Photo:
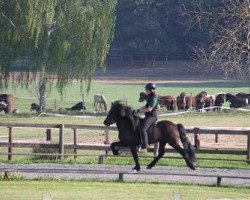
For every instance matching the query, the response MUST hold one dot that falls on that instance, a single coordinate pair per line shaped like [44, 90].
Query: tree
[66, 38]
[149, 27]
[228, 23]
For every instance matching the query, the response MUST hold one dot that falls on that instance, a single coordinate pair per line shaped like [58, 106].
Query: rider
[150, 110]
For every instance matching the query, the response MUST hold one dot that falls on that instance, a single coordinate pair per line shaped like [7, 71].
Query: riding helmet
[150, 86]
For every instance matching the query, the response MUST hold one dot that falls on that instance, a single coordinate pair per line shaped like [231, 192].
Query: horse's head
[118, 112]
[201, 97]
[114, 113]
[229, 96]
[143, 97]
[222, 98]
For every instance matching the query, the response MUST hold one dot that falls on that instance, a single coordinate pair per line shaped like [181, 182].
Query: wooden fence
[105, 147]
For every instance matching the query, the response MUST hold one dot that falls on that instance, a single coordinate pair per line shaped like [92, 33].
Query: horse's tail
[188, 147]
[175, 106]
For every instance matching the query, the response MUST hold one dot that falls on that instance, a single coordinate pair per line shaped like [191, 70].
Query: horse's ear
[112, 103]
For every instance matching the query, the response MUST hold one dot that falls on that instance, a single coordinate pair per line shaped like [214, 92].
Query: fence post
[61, 140]
[48, 135]
[218, 181]
[75, 143]
[106, 140]
[216, 137]
[248, 147]
[10, 143]
[196, 139]
[120, 177]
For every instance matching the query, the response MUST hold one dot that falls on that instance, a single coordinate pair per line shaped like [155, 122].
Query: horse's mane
[183, 94]
[134, 120]
[201, 94]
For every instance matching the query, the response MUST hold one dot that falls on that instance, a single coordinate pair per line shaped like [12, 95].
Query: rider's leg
[145, 125]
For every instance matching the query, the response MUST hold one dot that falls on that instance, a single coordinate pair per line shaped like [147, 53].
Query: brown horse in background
[185, 102]
[165, 101]
[200, 100]
[163, 132]
[209, 101]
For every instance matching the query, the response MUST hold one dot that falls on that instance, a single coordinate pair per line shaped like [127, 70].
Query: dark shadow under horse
[163, 132]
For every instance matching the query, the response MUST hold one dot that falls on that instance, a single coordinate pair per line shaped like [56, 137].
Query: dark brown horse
[165, 101]
[163, 132]
[219, 101]
[200, 100]
[185, 102]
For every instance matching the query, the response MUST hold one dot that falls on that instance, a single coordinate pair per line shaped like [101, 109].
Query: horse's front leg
[135, 156]
[115, 147]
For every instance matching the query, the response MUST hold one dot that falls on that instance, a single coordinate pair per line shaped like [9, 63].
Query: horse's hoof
[134, 171]
[192, 167]
[149, 167]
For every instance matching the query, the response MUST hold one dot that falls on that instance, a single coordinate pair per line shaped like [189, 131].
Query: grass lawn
[117, 91]
[60, 190]
[128, 92]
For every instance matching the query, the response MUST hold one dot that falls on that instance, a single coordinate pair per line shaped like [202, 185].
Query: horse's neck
[124, 127]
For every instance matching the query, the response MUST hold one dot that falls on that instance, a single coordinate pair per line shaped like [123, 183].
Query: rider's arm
[152, 104]
[145, 110]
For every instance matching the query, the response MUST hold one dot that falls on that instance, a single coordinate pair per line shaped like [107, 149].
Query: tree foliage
[146, 27]
[66, 38]
[228, 24]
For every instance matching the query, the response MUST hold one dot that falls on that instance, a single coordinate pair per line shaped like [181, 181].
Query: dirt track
[76, 171]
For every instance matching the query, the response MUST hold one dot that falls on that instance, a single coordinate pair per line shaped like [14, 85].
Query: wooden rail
[62, 146]
[120, 173]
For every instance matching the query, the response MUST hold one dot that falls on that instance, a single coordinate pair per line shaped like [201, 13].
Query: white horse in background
[3, 106]
[100, 103]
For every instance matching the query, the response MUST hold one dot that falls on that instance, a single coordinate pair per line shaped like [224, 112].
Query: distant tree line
[214, 32]
[155, 27]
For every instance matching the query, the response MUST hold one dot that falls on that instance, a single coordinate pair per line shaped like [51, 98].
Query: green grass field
[117, 91]
[64, 190]
[128, 92]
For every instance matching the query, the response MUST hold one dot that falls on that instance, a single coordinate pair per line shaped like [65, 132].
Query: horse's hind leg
[135, 156]
[178, 148]
[160, 154]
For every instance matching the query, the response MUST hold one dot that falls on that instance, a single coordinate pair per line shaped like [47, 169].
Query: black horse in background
[219, 101]
[236, 102]
[163, 132]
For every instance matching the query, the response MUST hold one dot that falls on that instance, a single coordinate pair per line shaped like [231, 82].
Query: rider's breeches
[147, 122]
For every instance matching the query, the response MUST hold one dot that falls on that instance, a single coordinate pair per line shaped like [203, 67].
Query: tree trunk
[42, 95]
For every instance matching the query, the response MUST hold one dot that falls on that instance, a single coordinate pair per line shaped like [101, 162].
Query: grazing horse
[200, 100]
[34, 107]
[78, 106]
[100, 102]
[209, 101]
[3, 106]
[219, 101]
[244, 96]
[164, 101]
[163, 132]
[185, 102]
[236, 102]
